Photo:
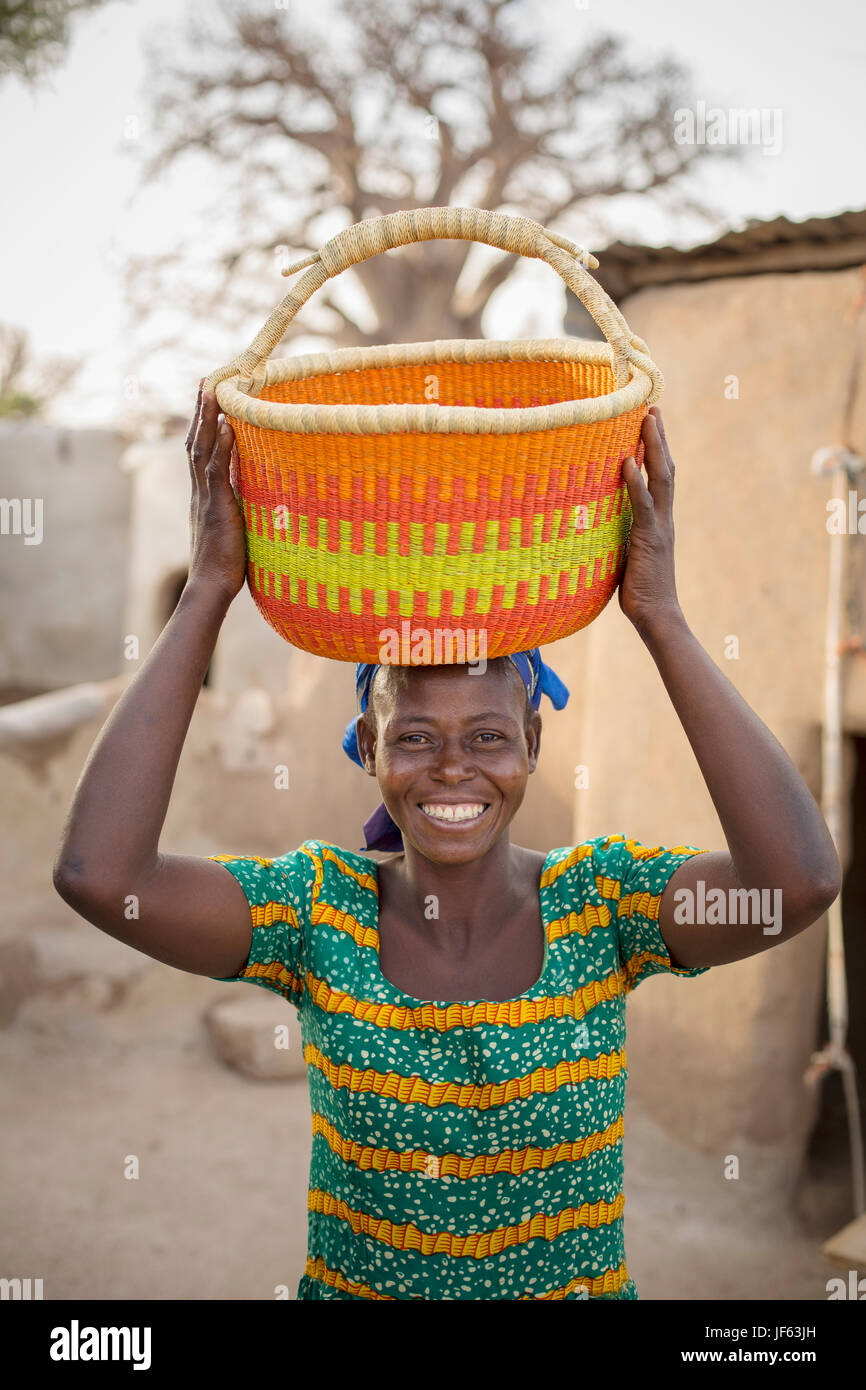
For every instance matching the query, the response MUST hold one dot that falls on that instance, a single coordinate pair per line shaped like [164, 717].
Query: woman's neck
[465, 897]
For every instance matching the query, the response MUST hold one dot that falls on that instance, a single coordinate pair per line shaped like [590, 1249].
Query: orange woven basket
[457, 498]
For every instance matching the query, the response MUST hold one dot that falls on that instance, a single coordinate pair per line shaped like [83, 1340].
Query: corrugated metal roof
[816, 243]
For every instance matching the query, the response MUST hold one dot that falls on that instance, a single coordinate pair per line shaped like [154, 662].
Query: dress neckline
[408, 999]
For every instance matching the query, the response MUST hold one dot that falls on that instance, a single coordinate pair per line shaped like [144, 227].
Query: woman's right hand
[218, 548]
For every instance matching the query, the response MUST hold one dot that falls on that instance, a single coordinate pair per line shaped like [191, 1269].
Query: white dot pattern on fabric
[463, 1150]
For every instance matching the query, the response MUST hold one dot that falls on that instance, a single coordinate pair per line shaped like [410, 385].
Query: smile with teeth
[463, 811]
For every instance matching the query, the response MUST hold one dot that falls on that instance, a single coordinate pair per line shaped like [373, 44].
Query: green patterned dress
[463, 1150]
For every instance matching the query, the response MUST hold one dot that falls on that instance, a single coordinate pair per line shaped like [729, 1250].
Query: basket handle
[377, 234]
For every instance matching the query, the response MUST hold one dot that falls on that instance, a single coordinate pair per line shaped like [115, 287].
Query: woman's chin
[451, 841]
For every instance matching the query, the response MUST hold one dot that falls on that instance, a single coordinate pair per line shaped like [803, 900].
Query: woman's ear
[533, 738]
[366, 745]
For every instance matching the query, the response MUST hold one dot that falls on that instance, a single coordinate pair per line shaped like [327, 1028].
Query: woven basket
[452, 493]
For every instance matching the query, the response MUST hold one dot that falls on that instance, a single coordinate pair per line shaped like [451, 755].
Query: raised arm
[188, 912]
[777, 838]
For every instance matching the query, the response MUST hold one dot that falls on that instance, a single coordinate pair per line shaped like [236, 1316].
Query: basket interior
[495, 385]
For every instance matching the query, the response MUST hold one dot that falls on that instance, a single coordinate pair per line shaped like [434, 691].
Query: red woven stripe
[507, 630]
[562, 494]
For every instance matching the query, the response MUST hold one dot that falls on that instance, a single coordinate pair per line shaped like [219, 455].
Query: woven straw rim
[373, 236]
[307, 418]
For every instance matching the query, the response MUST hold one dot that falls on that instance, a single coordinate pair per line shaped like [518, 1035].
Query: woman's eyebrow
[470, 718]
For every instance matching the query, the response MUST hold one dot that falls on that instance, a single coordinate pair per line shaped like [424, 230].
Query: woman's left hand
[647, 589]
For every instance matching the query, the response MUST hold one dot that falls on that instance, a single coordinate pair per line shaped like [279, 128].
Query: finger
[194, 426]
[638, 493]
[659, 476]
[217, 469]
[205, 435]
[657, 416]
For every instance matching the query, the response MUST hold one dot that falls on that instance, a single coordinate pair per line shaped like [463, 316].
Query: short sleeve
[631, 878]
[278, 892]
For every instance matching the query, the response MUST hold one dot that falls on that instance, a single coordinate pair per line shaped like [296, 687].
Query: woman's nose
[453, 763]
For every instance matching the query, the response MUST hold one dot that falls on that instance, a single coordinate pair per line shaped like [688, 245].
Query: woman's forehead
[463, 685]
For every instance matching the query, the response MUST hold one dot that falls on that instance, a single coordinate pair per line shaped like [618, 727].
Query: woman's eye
[418, 740]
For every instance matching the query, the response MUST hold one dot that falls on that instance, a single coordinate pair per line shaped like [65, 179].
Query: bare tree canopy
[34, 34]
[427, 102]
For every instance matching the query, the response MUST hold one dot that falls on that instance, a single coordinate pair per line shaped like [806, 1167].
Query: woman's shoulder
[586, 867]
[335, 868]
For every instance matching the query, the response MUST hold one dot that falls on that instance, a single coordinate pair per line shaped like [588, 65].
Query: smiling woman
[462, 1004]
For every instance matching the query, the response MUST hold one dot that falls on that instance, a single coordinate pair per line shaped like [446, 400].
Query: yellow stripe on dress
[478, 1245]
[647, 904]
[344, 921]
[365, 880]
[635, 964]
[610, 1282]
[265, 914]
[510, 1013]
[556, 870]
[453, 1165]
[414, 1090]
[580, 922]
[275, 972]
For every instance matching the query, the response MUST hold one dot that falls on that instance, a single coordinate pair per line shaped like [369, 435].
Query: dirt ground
[95, 1072]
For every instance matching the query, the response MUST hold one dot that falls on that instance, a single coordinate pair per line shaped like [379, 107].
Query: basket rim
[238, 399]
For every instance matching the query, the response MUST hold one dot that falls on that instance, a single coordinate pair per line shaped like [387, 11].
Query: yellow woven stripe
[467, 569]
[317, 1269]
[610, 1282]
[479, 1245]
[265, 914]
[289, 983]
[634, 964]
[451, 1165]
[512, 1013]
[319, 872]
[647, 904]
[414, 1090]
[365, 880]
[552, 874]
[344, 921]
[581, 922]
[642, 852]
[252, 858]
[608, 887]
[332, 916]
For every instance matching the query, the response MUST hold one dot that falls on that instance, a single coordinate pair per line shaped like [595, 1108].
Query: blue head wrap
[380, 830]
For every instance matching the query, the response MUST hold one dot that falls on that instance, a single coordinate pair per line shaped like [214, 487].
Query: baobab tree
[390, 106]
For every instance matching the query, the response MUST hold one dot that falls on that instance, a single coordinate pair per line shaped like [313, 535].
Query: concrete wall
[62, 612]
[720, 1059]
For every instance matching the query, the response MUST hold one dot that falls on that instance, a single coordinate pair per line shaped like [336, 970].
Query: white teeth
[467, 811]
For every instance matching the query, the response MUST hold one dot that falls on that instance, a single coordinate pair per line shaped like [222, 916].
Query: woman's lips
[452, 813]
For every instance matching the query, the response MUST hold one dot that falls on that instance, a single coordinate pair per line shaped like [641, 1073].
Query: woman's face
[451, 748]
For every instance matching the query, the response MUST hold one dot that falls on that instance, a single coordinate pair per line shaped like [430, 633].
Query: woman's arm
[776, 835]
[188, 912]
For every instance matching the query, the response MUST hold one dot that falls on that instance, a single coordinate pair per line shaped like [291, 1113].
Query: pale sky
[71, 213]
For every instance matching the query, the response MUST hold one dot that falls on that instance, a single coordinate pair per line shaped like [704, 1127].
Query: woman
[463, 1003]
